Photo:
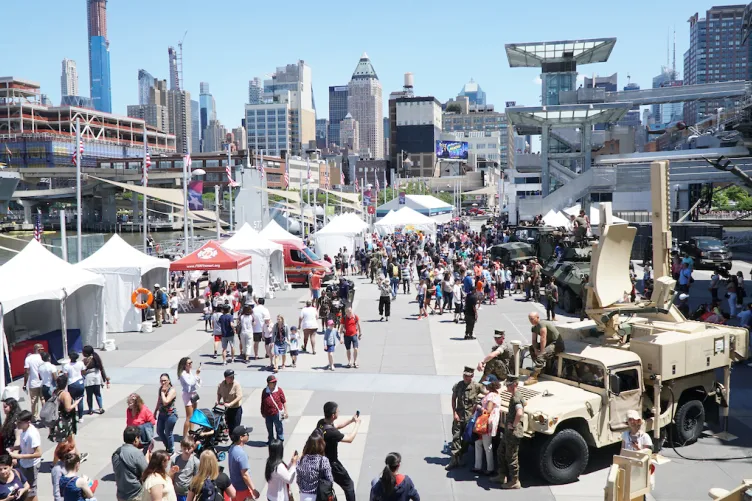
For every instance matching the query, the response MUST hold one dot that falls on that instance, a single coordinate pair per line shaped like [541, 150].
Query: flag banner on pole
[342, 177]
[228, 171]
[8, 153]
[79, 151]
[38, 227]
[286, 177]
[308, 165]
[187, 161]
[195, 195]
[326, 179]
[261, 166]
[147, 164]
[357, 187]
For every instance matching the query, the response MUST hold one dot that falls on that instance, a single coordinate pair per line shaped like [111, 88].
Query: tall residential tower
[99, 55]
[69, 79]
[365, 105]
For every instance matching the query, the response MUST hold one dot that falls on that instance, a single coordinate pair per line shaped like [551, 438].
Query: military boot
[498, 479]
[453, 463]
[533, 378]
[514, 483]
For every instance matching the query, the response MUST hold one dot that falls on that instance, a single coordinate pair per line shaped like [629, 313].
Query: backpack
[163, 301]
[50, 413]
[209, 491]
[395, 271]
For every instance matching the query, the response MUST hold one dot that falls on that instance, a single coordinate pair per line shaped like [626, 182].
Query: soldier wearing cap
[499, 361]
[546, 343]
[465, 396]
[509, 448]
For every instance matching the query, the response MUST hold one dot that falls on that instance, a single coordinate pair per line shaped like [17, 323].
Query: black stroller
[212, 430]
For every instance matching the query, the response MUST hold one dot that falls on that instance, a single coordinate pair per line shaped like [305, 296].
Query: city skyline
[481, 57]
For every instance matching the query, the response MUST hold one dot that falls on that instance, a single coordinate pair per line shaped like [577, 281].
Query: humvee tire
[688, 422]
[563, 457]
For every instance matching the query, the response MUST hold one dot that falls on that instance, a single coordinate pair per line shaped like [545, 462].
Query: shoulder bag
[325, 489]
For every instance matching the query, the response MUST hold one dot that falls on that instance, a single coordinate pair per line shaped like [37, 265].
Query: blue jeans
[272, 423]
[165, 425]
[76, 390]
[182, 498]
[395, 285]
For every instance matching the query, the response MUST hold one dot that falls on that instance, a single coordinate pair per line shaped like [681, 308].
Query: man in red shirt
[350, 328]
[273, 408]
[315, 284]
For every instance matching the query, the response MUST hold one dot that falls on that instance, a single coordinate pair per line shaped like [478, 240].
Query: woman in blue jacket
[393, 486]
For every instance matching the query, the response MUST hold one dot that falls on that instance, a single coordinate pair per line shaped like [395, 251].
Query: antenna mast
[673, 64]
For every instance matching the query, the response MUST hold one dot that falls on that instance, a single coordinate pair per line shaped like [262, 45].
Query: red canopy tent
[211, 256]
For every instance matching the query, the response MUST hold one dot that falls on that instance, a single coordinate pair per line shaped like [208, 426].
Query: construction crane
[180, 60]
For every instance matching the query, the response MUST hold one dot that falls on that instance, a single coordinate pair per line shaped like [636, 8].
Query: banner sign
[195, 192]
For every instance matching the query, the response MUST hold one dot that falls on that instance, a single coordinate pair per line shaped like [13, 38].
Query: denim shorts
[330, 348]
[351, 342]
[280, 350]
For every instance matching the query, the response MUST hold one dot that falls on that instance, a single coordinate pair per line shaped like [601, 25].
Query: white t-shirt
[30, 440]
[261, 315]
[74, 371]
[308, 318]
[642, 439]
[32, 363]
[246, 324]
[46, 370]
[217, 329]
[174, 302]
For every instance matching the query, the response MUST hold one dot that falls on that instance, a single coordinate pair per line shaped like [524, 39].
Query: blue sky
[442, 43]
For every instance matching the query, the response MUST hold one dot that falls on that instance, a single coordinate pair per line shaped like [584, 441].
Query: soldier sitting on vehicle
[500, 361]
[546, 344]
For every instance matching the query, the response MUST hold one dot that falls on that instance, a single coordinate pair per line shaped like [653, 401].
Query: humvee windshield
[582, 372]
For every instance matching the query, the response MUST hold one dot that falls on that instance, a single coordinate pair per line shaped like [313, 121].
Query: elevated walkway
[666, 95]
[594, 180]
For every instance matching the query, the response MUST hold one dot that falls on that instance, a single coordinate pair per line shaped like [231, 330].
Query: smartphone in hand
[357, 413]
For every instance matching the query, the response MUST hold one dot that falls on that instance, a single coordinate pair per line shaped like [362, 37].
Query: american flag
[308, 164]
[8, 152]
[147, 164]
[38, 227]
[326, 179]
[357, 188]
[261, 166]
[187, 161]
[286, 177]
[228, 171]
[378, 187]
[79, 151]
[342, 177]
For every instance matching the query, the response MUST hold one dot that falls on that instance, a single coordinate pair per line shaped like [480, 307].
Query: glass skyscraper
[337, 110]
[99, 55]
[473, 93]
[145, 81]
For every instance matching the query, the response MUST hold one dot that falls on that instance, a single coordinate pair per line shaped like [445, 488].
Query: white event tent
[46, 299]
[347, 230]
[556, 219]
[428, 205]
[274, 232]
[405, 219]
[125, 269]
[268, 258]
[595, 215]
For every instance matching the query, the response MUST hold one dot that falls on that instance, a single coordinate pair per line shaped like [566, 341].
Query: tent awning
[170, 195]
[289, 195]
[117, 253]
[486, 190]
[352, 197]
[211, 256]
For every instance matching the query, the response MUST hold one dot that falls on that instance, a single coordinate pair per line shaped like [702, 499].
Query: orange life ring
[149, 298]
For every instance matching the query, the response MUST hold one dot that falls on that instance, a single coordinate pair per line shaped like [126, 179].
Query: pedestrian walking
[509, 447]
[48, 375]
[32, 381]
[471, 314]
[405, 274]
[279, 476]
[95, 378]
[230, 393]
[313, 468]
[392, 485]
[189, 384]
[139, 415]
[238, 464]
[421, 297]
[309, 323]
[157, 304]
[187, 463]
[394, 277]
[28, 453]
[13, 484]
[74, 370]
[490, 405]
[280, 336]
[329, 427]
[261, 327]
[331, 336]
[58, 467]
[457, 299]
[273, 409]
[8, 430]
[465, 396]
[209, 483]
[174, 304]
[385, 300]
[226, 323]
[352, 333]
[552, 299]
[245, 332]
[158, 478]
[128, 465]
[66, 426]
[216, 328]
[167, 413]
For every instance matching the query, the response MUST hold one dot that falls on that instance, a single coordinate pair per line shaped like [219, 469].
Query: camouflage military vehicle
[528, 242]
[511, 252]
[642, 356]
[568, 272]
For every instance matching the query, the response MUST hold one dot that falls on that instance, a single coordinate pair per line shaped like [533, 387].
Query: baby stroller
[212, 430]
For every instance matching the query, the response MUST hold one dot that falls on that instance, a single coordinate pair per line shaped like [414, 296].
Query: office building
[365, 105]
[717, 53]
[608, 84]
[416, 129]
[99, 55]
[195, 126]
[214, 137]
[473, 93]
[77, 101]
[349, 134]
[240, 138]
[322, 131]
[296, 79]
[69, 79]
[484, 148]
[665, 114]
[172, 56]
[337, 110]
[145, 81]
[155, 111]
[387, 137]
[208, 107]
[460, 116]
[179, 112]
[255, 91]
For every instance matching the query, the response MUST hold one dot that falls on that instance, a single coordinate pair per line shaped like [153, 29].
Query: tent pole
[63, 237]
[63, 323]
[77, 149]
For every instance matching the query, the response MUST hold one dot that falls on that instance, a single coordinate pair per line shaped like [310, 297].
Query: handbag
[325, 489]
[481, 424]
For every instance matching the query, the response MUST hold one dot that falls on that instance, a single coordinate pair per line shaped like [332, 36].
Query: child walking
[293, 343]
[331, 336]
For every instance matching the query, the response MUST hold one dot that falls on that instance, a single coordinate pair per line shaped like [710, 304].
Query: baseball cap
[633, 414]
[498, 333]
[293, 328]
[469, 371]
[490, 379]
[271, 379]
[156, 286]
[229, 372]
[511, 380]
[330, 322]
[239, 431]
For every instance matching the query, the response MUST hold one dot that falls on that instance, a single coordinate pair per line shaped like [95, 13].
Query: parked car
[707, 251]
[476, 211]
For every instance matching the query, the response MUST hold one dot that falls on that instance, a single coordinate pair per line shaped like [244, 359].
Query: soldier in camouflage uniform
[374, 265]
[509, 448]
[465, 397]
[536, 279]
[583, 296]
[500, 361]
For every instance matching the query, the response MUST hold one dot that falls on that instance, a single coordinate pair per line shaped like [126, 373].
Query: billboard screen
[451, 150]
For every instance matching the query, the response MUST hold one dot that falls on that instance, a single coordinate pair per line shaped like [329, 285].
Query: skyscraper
[322, 129]
[208, 108]
[69, 79]
[172, 56]
[99, 55]
[473, 93]
[716, 54]
[179, 111]
[671, 112]
[337, 111]
[195, 127]
[365, 105]
[145, 81]
[348, 134]
[255, 91]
